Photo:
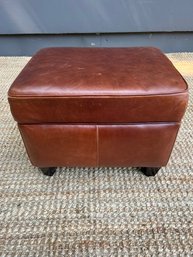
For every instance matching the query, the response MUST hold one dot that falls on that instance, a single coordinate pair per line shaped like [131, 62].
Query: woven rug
[94, 212]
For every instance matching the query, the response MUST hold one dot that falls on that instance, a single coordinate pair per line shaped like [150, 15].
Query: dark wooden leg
[48, 171]
[150, 171]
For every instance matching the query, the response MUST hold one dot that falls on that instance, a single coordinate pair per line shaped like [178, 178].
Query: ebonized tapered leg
[150, 171]
[48, 171]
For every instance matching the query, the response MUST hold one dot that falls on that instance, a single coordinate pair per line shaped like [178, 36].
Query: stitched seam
[98, 96]
[97, 145]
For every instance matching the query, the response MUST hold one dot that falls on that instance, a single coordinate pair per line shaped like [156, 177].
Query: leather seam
[96, 96]
[100, 123]
[97, 146]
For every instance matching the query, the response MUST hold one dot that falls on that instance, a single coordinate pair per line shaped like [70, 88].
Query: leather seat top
[61, 85]
[98, 71]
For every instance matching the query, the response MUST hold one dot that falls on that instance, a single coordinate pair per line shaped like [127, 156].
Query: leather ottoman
[91, 107]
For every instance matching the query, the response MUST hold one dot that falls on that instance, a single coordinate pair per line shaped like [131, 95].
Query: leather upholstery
[59, 145]
[98, 85]
[142, 145]
[99, 145]
[99, 107]
[98, 71]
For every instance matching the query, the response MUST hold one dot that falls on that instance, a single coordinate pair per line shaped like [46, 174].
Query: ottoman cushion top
[81, 84]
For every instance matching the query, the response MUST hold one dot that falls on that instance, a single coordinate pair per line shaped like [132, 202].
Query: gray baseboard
[27, 45]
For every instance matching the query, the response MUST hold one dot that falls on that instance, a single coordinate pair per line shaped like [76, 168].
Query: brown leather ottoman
[91, 107]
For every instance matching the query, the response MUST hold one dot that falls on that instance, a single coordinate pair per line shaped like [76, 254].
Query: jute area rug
[94, 212]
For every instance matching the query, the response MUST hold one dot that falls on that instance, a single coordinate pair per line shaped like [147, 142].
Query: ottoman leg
[48, 171]
[150, 171]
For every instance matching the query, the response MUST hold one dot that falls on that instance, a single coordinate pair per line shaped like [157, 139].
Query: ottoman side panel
[111, 109]
[137, 145]
[60, 145]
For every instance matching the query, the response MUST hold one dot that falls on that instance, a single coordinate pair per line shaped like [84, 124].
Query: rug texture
[94, 212]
